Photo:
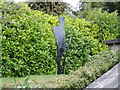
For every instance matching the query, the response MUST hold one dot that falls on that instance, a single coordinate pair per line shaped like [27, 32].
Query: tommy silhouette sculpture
[59, 33]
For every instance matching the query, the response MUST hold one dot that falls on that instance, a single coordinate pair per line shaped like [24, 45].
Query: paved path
[110, 79]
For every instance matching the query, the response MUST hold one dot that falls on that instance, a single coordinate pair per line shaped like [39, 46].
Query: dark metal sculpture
[59, 33]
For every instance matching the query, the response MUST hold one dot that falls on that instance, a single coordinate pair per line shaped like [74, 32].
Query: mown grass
[33, 81]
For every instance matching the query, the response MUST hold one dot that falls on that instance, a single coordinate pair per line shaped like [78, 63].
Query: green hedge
[82, 77]
[29, 46]
[108, 23]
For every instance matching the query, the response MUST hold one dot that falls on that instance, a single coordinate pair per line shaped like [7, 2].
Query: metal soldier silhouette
[59, 33]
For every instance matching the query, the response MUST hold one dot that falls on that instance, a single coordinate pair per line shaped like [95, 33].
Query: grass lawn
[34, 80]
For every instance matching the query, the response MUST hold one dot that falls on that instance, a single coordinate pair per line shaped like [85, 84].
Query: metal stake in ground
[59, 33]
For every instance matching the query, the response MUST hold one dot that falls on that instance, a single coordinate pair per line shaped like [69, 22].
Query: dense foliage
[55, 8]
[108, 22]
[108, 6]
[29, 46]
[28, 42]
[82, 77]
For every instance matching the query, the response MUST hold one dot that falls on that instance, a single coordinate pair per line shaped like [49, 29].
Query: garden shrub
[84, 41]
[55, 8]
[29, 46]
[82, 77]
[108, 22]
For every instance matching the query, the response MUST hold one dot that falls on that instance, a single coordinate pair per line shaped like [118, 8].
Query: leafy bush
[55, 8]
[83, 44]
[108, 22]
[28, 43]
[82, 77]
[29, 46]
